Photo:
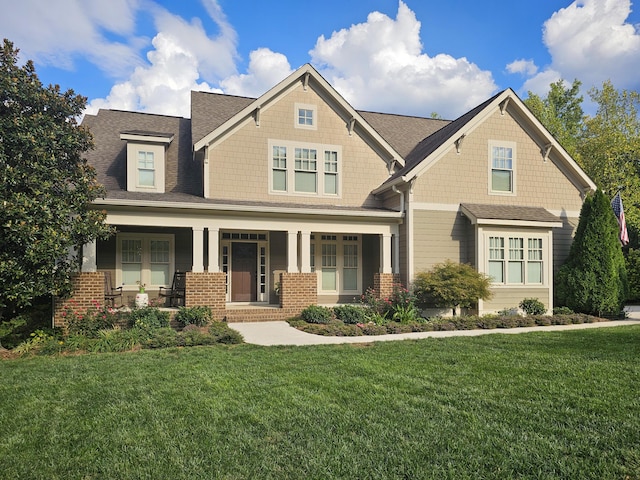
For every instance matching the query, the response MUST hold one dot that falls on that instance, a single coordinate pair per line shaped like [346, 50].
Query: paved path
[281, 333]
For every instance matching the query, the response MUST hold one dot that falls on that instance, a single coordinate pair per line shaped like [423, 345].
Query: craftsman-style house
[296, 198]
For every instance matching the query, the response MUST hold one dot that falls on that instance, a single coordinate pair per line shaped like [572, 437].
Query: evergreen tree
[593, 280]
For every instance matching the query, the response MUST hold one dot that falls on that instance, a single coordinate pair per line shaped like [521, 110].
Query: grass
[542, 405]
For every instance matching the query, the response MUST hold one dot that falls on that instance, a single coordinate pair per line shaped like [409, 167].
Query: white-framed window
[146, 169]
[145, 258]
[305, 116]
[502, 160]
[304, 168]
[338, 263]
[515, 259]
[146, 160]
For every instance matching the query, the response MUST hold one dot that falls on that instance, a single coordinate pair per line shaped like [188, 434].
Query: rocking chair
[111, 293]
[177, 293]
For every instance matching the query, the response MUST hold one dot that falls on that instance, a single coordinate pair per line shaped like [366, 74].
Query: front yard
[546, 405]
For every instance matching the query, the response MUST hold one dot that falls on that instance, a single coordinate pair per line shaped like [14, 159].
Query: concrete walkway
[281, 333]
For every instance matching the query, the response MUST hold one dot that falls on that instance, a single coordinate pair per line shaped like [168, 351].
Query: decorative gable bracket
[503, 105]
[351, 125]
[257, 115]
[459, 141]
[547, 151]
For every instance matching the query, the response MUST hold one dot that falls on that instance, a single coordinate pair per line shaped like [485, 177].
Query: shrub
[562, 311]
[89, 323]
[450, 284]
[162, 338]
[350, 314]
[632, 264]
[223, 334]
[533, 306]
[148, 318]
[199, 316]
[316, 314]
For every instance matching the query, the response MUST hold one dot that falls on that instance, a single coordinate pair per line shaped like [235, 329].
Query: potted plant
[142, 298]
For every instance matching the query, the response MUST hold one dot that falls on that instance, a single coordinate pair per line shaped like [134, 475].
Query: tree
[561, 113]
[46, 187]
[593, 280]
[451, 285]
[610, 147]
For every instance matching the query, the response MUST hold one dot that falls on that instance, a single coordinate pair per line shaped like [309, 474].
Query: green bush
[316, 314]
[90, 322]
[223, 334]
[162, 338]
[199, 316]
[632, 263]
[562, 311]
[148, 318]
[350, 314]
[533, 306]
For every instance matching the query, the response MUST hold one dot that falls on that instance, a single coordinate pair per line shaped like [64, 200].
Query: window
[339, 263]
[146, 169]
[146, 160]
[305, 116]
[523, 265]
[305, 169]
[502, 167]
[144, 258]
[330, 172]
[279, 168]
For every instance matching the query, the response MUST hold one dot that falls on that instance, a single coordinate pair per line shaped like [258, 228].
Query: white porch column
[292, 252]
[214, 249]
[198, 249]
[385, 253]
[89, 262]
[396, 253]
[305, 252]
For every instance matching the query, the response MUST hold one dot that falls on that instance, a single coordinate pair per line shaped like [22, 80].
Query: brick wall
[383, 284]
[298, 291]
[88, 288]
[207, 289]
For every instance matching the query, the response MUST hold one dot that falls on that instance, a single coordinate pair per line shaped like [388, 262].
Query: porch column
[89, 263]
[292, 252]
[396, 253]
[385, 253]
[214, 248]
[198, 249]
[305, 251]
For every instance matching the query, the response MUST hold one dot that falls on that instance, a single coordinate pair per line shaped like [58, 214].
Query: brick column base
[88, 288]
[383, 284]
[207, 289]
[298, 291]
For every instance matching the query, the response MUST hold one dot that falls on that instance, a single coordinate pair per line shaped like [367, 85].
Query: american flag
[616, 203]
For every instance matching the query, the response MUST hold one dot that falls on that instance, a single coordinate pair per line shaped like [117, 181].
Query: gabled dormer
[146, 160]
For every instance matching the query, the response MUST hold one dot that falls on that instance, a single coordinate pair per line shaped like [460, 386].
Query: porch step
[254, 314]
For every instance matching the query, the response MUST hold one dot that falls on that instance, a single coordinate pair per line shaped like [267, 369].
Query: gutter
[401, 193]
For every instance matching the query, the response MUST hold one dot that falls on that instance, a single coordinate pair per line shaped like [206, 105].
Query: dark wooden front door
[244, 263]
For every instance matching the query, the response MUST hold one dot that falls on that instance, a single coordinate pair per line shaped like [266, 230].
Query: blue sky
[413, 56]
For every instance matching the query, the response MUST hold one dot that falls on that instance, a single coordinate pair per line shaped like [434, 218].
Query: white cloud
[522, 66]
[590, 40]
[266, 69]
[182, 54]
[379, 65]
[55, 33]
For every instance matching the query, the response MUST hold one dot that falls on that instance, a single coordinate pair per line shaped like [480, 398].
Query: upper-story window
[502, 167]
[305, 116]
[146, 152]
[305, 169]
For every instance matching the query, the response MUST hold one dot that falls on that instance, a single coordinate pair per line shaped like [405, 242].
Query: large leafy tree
[610, 147]
[561, 113]
[46, 187]
[593, 279]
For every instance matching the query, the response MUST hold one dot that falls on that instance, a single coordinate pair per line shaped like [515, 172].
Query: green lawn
[540, 405]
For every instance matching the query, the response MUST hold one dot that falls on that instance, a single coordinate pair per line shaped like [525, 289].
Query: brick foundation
[88, 288]
[207, 289]
[298, 290]
[383, 284]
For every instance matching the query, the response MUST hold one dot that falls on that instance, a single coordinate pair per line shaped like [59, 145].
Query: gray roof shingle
[509, 212]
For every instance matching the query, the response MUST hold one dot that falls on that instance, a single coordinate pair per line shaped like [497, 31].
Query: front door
[244, 264]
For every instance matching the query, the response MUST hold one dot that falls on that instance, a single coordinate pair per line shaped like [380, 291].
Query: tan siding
[240, 165]
[562, 240]
[464, 177]
[511, 297]
[439, 236]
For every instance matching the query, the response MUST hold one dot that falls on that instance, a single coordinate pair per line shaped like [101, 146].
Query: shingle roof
[509, 212]
[109, 157]
[210, 110]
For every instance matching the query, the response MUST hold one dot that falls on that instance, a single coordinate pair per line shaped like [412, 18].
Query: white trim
[514, 156]
[140, 138]
[314, 116]
[441, 207]
[257, 209]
